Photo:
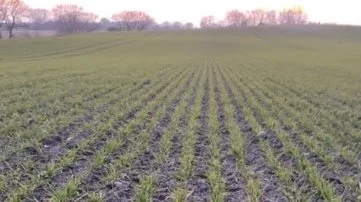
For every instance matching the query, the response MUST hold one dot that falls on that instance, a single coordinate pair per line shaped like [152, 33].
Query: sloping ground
[259, 114]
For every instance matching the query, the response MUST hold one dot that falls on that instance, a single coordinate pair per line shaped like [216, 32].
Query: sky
[325, 11]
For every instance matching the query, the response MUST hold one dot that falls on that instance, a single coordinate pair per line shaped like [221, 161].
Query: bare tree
[133, 20]
[16, 11]
[294, 15]
[300, 15]
[3, 14]
[251, 18]
[188, 25]
[220, 24]
[235, 18]
[208, 22]
[88, 22]
[72, 18]
[259, 16]
[39, 17]
[177, 25]
[165, 25]
[271, 17]
[105, 23]
[67, 17]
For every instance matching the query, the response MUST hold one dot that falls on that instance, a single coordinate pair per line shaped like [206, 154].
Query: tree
[295, 15]
[105, 23]
[251, 18]
[208, 22]
[177, 25]
[88, 22]
[133, 20]
[72, 18]
[67, 17]
[165, 25]
[300, 15]
[220, 24]
[16, 11]
[235, 18]
[258, 17]
[3, 14]
[39, 17]
[271, 17]
[188, 25]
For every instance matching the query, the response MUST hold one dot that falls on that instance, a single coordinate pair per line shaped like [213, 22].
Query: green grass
[298, 86]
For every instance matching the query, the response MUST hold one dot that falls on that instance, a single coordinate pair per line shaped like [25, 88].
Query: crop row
[209, 132]
[326, 181]
[60, 154]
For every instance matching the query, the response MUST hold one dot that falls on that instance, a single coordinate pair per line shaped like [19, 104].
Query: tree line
[67, 18]
[257, 17]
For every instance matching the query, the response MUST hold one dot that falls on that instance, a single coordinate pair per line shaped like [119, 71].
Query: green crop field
[255, 114]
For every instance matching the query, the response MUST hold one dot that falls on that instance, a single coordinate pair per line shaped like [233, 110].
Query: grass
[78, 113]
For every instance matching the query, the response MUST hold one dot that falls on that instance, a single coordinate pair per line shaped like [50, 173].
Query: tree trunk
[11, 28]
[11, 35]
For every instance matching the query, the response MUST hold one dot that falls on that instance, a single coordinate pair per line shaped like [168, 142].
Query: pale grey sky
[332, 11]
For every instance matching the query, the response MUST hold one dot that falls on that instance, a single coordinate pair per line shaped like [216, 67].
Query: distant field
[258, 114]
[23, 34]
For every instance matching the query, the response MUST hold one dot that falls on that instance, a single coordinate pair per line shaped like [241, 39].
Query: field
[258, 114]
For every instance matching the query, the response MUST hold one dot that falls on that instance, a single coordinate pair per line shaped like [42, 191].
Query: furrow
[187, 158]
[95, 159]
[255, 159]
[216, 129]
[331, 164]
[198, 185]
[336, 103]
[165, 176]
[248, 123]
[318, 121]
[147, 160]
[124, 153]
[52, 144]
[235, 184]
[323, 188]
[333, 175]
[65, 155]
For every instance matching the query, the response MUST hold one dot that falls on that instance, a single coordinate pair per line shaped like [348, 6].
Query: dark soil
[85, 157]
[166, 174]
[53, 143]
[335, 177]
[64, 137]
[255, 158]
[286, 159]
[235, 184]
[198, 185]
[94, 182]
[124, 189]
[144, 153]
